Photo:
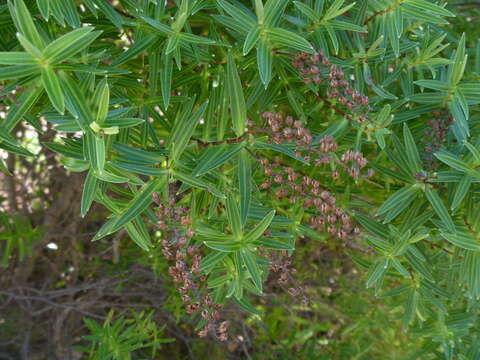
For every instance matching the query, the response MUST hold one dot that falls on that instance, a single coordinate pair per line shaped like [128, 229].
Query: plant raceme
[226, 133]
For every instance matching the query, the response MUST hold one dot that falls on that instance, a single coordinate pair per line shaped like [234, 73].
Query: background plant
[225, 136]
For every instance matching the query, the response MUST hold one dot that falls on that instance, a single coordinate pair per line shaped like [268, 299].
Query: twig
[328, 103]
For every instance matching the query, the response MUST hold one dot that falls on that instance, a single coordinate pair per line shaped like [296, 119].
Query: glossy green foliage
[153, 98]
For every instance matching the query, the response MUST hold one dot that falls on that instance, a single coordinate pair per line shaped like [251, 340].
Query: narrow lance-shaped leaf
[252, 267]
[462, 240]
[69, 44]
[462, 190]
[198, 183]
[16, 58]
[286, 38]
[412, 152]
[102, 95]
[244, 184]
[89, 190]
[234, 217]
[252, 39]
[53, 89]
[184, 131]
[440, 209]
[217, 157]
[138, 47]
[260, 228]
[237, 100]
[44, 7]
[26, 100]
[135, 207]
[166, 78]
[95, 145]
[264, 60]
[25, 24]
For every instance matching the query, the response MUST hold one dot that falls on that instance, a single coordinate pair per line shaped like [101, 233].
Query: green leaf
[412, 152]
[264, 60]
[166, 78]
[433, 84]
[336, 9]
[95, 151]
[29, 47]
[273, 244]
[344, 25]
[461, 191]
[251, 40]
[452, 161]
[244, 184]
[212, 259]
[224, 246]
[69, 44]
[285, 38]
[247, 306]
[237, 100]
[377, 271]
[196, 182]
[138, 47]
[373, 226]
[184, 130]
[15, 72]
[439, 208]
[161, 28]
[273, 11]
[429, 7]
[89, 190]
[252, 267]
[238, 14]
[384, 118]
[102, 98]
[394, 201]
[280, 148]
[135, 207]
[75, 102]
[233, 214]
[44, 7]
[139, 169]
[194, 39]
[138, 233]
[25, 24]
[110, 13]
[474, 151]
[53, 89]
[216, 157]
[260, 228]
[22, 106]
[16, 58]
[209, 233]
[4, 168]
[122, 122]
[456, 70]
[172, 43]
[463, 240]
[259, 10]
[307, 11]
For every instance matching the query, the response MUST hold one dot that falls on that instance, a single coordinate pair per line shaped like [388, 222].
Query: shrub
[225, 134]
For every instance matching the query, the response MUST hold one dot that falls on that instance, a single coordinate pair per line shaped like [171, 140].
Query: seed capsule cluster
[318, 69]
[191, 284]
[281, 264]
[289, 131]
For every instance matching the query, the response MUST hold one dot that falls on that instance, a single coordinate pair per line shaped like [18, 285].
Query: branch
[327, 102]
